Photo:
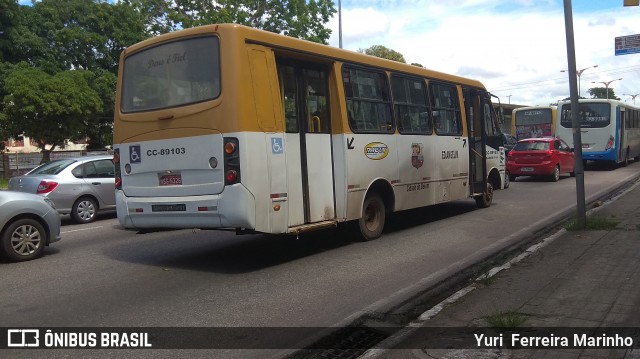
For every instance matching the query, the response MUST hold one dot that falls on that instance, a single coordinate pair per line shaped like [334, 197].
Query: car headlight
[49, 202]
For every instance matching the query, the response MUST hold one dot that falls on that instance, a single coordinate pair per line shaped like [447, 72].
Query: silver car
[78, 186]
[28, 223]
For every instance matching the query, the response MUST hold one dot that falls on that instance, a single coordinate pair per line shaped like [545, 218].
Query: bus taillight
[116, 164]
[610, 143]
[231, 161]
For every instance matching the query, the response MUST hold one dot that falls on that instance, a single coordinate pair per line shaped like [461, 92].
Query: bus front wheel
[373, 216]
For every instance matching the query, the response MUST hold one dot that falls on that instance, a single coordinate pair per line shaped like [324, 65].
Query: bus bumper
[233, 208]
[609, 155]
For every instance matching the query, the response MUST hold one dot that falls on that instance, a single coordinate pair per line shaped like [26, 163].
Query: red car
[540, 157]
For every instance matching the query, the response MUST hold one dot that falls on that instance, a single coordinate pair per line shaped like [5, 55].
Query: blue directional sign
[625, 45]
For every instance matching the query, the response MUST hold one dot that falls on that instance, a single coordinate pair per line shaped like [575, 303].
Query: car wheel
[555, 176]
[24, 240]
[84, 210]
[507, 179]
[485, 200]
[371, 222]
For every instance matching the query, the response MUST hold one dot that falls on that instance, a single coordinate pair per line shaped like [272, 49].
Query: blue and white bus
[610, 129]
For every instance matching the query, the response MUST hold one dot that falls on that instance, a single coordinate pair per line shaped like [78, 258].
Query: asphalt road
[100, 275]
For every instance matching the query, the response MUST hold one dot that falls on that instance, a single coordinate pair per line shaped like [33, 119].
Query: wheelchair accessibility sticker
[134, 154]
[277, 147]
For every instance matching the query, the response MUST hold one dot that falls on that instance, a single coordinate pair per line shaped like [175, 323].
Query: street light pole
[579, 73]
[606, 84]
[509, 97]
[632, 96]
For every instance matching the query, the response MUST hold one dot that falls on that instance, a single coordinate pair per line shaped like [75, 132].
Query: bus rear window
[592, 115]
[172, 74]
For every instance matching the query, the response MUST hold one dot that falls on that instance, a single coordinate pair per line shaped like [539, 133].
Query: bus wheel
[485, 200]
[507, 179]
[625, 163]
[373, 216]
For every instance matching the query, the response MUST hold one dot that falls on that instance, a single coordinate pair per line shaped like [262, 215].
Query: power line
[592, 75]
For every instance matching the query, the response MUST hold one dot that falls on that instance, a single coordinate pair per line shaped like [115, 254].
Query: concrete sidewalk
[587, 278]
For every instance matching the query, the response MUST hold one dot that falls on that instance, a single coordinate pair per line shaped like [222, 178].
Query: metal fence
[16, 164]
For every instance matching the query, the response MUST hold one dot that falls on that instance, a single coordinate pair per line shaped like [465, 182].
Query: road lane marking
[83, 229]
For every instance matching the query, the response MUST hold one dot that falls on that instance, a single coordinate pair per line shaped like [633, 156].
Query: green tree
[383, 52]
[601, 92]
[56, 36]
[304, 19]
[49, 108]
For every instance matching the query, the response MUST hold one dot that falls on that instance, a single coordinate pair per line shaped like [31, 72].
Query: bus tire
[371, 222]
[507, 179]
[484, 201]
[625, 163]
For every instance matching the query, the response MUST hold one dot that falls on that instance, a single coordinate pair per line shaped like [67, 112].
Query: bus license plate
[526, 169]
[173, 179]
[168, 207]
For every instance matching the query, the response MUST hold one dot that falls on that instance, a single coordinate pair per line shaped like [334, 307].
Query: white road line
[83, 229]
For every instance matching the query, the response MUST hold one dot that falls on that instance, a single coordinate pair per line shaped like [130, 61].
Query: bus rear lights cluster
[610, 143]
[231, 161]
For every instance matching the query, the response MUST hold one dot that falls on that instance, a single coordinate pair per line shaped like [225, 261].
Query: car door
[100, 177]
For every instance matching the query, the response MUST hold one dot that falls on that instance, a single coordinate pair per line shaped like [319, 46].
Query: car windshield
[531, 146]
[51, 168]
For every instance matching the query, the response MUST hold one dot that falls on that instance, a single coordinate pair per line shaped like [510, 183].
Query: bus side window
[445, 109]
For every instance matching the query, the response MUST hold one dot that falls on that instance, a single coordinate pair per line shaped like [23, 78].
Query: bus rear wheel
[371, 222]
[485, 200]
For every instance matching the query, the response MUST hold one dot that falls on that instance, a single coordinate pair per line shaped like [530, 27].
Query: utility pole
[509, 97]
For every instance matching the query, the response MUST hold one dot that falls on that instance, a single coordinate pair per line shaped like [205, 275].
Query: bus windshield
[172, 74]
[592, 115]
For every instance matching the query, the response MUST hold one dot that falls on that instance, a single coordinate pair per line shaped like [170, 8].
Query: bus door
[473, 102]
[305, 94]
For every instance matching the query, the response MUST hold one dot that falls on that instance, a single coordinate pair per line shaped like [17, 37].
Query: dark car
[28, 223]
[545, 156]
[78, 186]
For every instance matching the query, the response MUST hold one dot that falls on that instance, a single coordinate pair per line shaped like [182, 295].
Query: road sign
[625, 45]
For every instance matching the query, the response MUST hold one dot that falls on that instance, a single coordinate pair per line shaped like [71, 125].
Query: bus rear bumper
[609, 155]
[233, 208]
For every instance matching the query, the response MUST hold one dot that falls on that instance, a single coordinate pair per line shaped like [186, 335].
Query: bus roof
[304, 47]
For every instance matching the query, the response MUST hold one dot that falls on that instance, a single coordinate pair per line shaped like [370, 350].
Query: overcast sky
[515, 47]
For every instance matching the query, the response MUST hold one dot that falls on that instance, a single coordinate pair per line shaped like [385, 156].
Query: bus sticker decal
[276, 145]
[417, 159]
[134, 154]
[376, 150]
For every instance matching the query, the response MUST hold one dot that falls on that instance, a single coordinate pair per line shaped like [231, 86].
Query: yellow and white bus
[533, 121]
[228, 127]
